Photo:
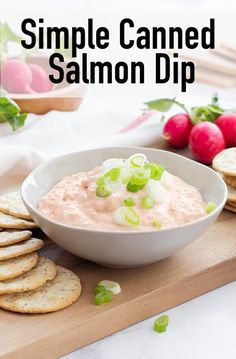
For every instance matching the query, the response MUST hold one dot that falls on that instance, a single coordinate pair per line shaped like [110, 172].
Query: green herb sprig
[10, 112]
[197, 114]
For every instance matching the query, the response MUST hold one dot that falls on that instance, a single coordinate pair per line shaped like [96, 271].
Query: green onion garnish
[156, 171]
[108, 296]
[138, 160]
[129, 202]
[210, 207]
[135, 173]
[126, 216]
[125, 174]
[156, 224]
[99, 288]
[147, 202]
[102, 191]
[164, 319]
[99, 298]
[161, 324]
[131, 216]
[133, 187]
[103, 297]
[140, 177]
[114, 287]
[113, 174]
[100, 181]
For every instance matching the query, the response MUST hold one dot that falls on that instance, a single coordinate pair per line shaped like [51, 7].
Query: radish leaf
[164, 104]
[10, 112]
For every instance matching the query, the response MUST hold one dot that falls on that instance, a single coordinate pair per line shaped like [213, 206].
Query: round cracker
[230, 208]
[231, 196]
[225, 162]
[9, 237]
[230, 180]
[11, 268]
[11, 203]
[11, 222]
[54, 295]
[35, 278]
[28, 246]
[231, 203]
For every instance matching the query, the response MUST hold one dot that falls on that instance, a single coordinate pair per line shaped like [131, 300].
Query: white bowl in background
[124, 248]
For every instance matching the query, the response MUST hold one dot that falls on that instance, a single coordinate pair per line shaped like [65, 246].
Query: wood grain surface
[205, 264]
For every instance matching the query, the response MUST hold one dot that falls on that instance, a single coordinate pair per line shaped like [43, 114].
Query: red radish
[177, 129]
[205, 141]
[16, 76]
[40, 81]
[227, 124]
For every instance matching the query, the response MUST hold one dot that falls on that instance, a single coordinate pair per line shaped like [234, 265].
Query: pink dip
[73, 201]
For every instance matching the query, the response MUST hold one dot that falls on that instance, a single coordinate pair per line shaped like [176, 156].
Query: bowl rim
[124, 232]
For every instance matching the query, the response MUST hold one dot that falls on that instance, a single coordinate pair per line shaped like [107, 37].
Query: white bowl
[122, 249]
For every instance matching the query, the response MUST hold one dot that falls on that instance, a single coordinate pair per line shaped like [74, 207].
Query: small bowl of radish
[28, 84]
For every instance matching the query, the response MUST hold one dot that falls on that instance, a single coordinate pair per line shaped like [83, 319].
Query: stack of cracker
[225, 164]
[29, 282]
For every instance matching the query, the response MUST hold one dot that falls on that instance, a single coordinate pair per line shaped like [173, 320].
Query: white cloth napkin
[95, 124]
[16, 162]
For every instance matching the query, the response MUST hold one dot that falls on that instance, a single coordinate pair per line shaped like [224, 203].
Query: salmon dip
[123, 194]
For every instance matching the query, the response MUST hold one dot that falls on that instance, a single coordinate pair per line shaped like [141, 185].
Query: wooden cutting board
[205, 264]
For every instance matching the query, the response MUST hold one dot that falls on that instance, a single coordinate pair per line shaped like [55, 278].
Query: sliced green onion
[113, 174]
[147, 202]
[99, 288]
[159, 327]
[138, 160]
[164, 319]
[156, 224]
[133, 187]
[114, 287]
[99, 298]
[155, 191]
[156, 171]
[140, 177]
[100, 181]
[210, 207]
[103, 297]
[108, 296]
[126, 216]
[129, 202]
[102, 191]
[125, 174]
[166, 179]
[161, 324]
[131, 216]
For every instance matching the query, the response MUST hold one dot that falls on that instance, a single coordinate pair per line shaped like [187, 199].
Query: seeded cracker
[230, 180]
[54, 295]
[231, 193]
[230, 208]
[10, 237]
[11, 203]
[225, 162]
[231, 203]
[28, 246]
[35, 278]
[7, 221]
[14, 267]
